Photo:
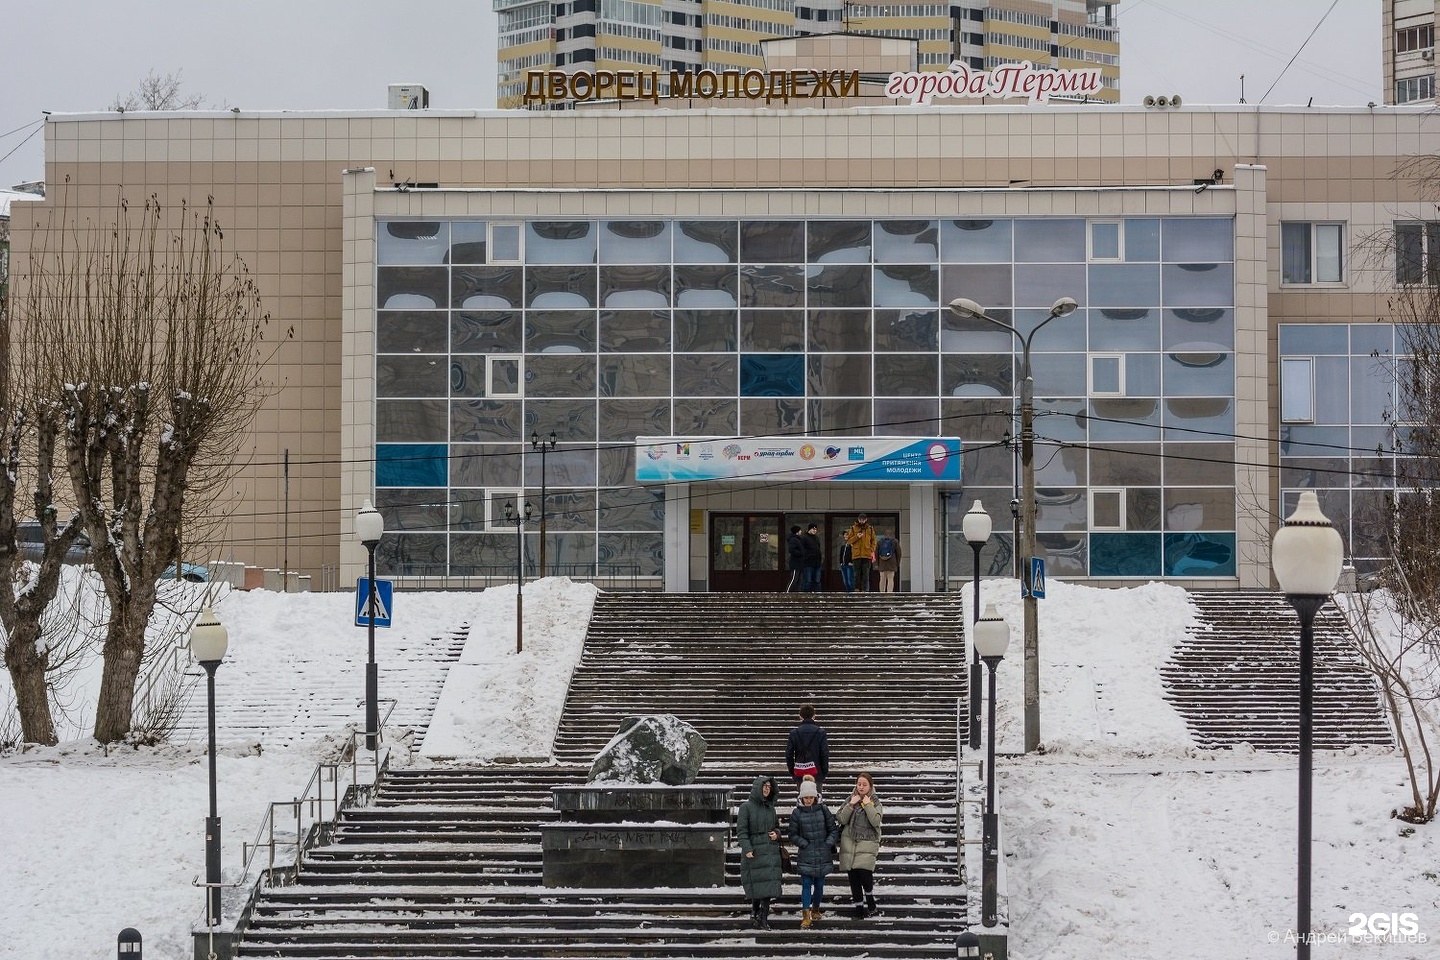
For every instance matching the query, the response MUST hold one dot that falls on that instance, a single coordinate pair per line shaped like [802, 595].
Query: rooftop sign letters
[798, 459]
[1006, 81]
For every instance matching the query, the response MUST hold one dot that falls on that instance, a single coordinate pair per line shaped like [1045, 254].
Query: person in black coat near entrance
[808, 750]
[757, 830]
[813, 557]
[795, 559]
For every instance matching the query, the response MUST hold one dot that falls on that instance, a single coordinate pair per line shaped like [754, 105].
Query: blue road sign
[1034, 584]
[384, 593]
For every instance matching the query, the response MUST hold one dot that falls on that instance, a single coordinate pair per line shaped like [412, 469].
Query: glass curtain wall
[602, 331]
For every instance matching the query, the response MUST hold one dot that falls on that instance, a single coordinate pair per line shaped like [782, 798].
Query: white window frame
[1120, 377]
[1119, 241]
[1313, 252]
[1119, 494]
[495, 500]
[1289, 384]
[490, 364]
[490, 241]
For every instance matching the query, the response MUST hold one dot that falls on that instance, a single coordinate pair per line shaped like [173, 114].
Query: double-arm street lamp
[370, 527]
[1306, 556]
[969, 309]
[992, 637]
[519, 519]
[976, 526]
[208, 642]
[544, 446]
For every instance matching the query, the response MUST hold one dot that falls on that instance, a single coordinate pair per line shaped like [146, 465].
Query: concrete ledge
[634, 854]
[607, 803]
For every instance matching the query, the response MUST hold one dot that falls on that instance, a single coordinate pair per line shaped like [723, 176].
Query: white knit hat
[807, 789]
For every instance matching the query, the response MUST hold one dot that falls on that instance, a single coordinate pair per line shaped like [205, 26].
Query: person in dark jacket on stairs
[795, 560]
[757, 829]
[808, 750]
[815, 832]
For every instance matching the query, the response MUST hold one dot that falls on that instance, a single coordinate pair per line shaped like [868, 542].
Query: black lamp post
[519, 520]
[992, 636]
[544, 446]
[370, 527]
[1306, 556]
[1063, 307]
[208, 641]
[976, 526]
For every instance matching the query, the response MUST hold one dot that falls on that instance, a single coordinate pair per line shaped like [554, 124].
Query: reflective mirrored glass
[706, 418]
[989, 285]
[907, 285]
[706, 375]
[572, 421]
[907, 417]
[634, 375]
[1047, 240]
[907, 241]
[635, 241]
[1198, 418]
[841, 417]
[839, 330]
[842, 286]
[1198, 284]
[560, 287]
[840, 375]
[1197, 240]
[772, 286]
[411, 242]
[485, 420]
[772, 241]
[1116, 328]
[1040, 285]
[628, 419]
[772, 330]
[706, 286]
[560, 375]
[485, 331]
[771, 416]
[838, 241]
[414, 421]
[412, 288]
[906, 375]
[484, 465]
[1124, 284]
[570, 241]
[410, 332]
[560, 331]
[706, 330]
[634, 331]
[1124, 419]
[975, 241]
[486, 288]
[635, 286]
[1207, 374]
[632, 508]
[706, 241]
[631, 554]
[410, 376]
[906, 329]
[976, 375]
[467, 242]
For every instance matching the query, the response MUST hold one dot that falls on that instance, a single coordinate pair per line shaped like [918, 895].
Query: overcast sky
[77, 55]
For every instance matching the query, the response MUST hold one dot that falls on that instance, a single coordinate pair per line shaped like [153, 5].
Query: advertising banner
[798, 459]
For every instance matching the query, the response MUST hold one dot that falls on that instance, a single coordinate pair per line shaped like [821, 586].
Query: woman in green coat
[860, 817]
[757, 828]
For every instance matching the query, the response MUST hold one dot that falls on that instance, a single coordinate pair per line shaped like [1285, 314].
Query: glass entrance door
[747, 553]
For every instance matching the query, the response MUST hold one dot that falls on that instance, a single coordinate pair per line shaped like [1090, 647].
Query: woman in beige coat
[860, 817]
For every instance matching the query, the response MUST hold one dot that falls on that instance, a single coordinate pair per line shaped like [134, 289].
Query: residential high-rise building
[691, 35]
[1409, 38]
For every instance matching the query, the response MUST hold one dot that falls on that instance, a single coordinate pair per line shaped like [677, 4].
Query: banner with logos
[798, 459]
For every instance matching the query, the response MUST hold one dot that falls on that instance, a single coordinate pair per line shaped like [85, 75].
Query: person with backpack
[808, 750]
[861, 537]
[887, 561]
[815, 832]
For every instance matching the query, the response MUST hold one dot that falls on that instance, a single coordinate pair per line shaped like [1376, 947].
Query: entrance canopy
[867, 459]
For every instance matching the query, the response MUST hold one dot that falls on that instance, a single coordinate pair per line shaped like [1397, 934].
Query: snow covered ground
[1124, 839]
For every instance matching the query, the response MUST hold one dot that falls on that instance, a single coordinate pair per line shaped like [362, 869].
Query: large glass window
[1312, 253]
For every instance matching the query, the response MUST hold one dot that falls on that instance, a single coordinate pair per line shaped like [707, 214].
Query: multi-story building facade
[1409, 50]
[718, 312]
[691, 35]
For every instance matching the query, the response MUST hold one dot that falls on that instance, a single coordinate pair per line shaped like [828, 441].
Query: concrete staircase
[446, 862]
[1236, 678]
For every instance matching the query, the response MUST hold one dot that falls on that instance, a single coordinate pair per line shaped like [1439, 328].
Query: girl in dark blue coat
[815, 832]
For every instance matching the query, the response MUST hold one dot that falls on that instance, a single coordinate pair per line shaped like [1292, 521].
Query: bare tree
[157, 92]
[29, 587]
[149, 337]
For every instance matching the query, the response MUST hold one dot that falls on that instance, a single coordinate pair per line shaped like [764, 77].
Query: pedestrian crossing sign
[384, 593]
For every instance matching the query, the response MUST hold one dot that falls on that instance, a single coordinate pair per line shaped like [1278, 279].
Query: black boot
[755, 914]
[857, 910]
[764, 914]
[870, 908]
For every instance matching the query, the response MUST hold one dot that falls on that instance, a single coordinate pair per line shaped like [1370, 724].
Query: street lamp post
[1306, 556]
[1063, 307]
[544, 446]
[519, 519]
[208, 641]
[1012, 444]
[992, 636]
[976, 526]
[370, 527]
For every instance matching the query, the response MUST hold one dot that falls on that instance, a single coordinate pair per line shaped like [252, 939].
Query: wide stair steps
[446, 861]
[883, 670]
[1236, 678]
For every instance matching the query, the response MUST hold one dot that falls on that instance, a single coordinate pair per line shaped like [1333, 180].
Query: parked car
[31, 537]
[188, 571]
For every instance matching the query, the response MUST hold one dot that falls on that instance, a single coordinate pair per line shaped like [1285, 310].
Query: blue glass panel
[1050, 241]
[1040, 285]
[1142, 240]
[1124, 284]
[975, 241]
[906, 241]
[1198, 284]
[1124, 554]
[411, 242]
[1200, 328]
[772, 375]
[1200, 555]
[1368, 338]
[1116, 328]
[410, 464]
[1198, 240]
[1301, 339]
[1208, 374]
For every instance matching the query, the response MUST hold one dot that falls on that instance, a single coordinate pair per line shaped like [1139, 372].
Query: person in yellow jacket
[861, 537]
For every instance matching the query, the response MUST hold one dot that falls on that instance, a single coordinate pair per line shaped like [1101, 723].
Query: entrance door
[747, 553]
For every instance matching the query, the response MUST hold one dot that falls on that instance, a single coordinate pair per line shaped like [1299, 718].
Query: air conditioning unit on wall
[408, 96]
